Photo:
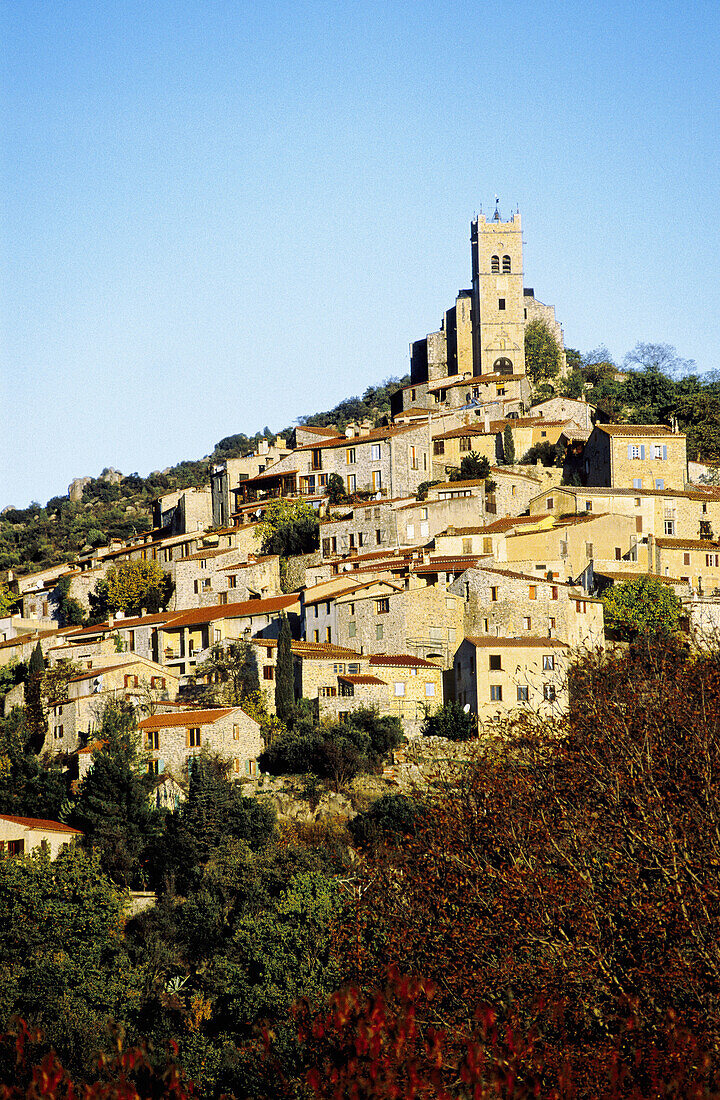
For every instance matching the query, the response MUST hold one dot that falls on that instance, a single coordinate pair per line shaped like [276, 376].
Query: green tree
[70, 611]
[131, 587]
[542, 354]
[452, 721]
[642, 606]
[36, 720]
[62, 959]
[473, 467]
[230, 672]
[214, 813]
[7, 600]
[30, 785]
[508, 446]
[390, 817]
[284, 674]
[289, 527]
[336, 489]
[113, 805]
[544, 452]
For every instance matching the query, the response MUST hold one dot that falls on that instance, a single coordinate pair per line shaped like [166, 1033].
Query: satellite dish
[466, 708]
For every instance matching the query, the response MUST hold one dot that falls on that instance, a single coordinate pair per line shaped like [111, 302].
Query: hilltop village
[445, 570]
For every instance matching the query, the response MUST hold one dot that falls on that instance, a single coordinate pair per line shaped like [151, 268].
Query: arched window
[506, 265]
[495, 264]
[503, 365]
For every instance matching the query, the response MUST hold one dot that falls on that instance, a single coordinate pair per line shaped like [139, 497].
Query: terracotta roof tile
[516, 643]
[41, 823]
[231, 611]
[400, 660]
[636, 429]
[362, 679]
[186, 718]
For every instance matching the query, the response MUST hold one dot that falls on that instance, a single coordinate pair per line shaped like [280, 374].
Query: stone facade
[507, 604]
[423, 621]
[635, 456]
[497, 677]
[172, 740]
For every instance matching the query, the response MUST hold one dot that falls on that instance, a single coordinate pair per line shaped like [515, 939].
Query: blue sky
[218, 216]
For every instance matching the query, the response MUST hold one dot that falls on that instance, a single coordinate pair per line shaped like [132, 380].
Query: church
[477, 357]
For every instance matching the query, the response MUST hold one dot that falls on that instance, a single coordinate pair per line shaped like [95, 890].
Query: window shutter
[629, 450]
[664, 453]
[642, 450]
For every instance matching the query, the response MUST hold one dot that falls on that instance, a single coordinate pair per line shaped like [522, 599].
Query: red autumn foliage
[26, 1074]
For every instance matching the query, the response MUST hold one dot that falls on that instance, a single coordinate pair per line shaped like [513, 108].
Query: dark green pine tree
[37, 724]
[508, 446]
[113, 807]
[284, 687]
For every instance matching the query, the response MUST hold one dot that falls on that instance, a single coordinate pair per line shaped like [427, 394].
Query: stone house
[319, 622]
[577, 413]
[73, 721]
[183, 511]
[227, 476]
[635, 456]
[421, 621]
[504, 603]
[664, 513]
[316, 669]
[390, 461]
[487, 439]
[225, 575]
[363, 527]
[172, 740]
[696, 562]
[21, 835]
[187, 638]
[498, 676]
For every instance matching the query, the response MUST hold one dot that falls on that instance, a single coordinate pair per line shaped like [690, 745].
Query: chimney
[111, 621]
[263, 446]
[450, 531]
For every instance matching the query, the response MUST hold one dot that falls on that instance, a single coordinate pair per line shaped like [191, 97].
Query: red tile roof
[352, 678]
[636, 429]
[186, 718]
[374, 436]
[40, 823]
[246, 609]
[400, 660]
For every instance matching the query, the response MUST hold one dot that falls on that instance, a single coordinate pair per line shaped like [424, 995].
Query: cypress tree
[37, 724]
[284, 688]
[508, 446]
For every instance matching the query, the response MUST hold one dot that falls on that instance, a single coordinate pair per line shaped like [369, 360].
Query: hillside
[38, 536]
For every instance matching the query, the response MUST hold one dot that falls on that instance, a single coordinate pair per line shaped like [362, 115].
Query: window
[153, 740]
[379, 632]
[413, 458]
[495, 265]
[659, 483]
[588, 549]
[382, 606]
[236, 733]
[506, 265]
[496, 693]
[316, 635]
[327, 692]
[59, 732]
[268, 672]
[532, 591]
[347, 690]
[501, 303]
[374, 452]
[493, 595]
[399, 688]
[429, 691]
[410, 529]
[669, 526]
[467, 546]
[581, 606]
[549, 693]
[351, 483]
[686, 559]
[548, 662]
[376, 480]
[439, 447]
[328, 634]
[618, 553]
[633, 452]
[15, 847]
[352, 630]
[555, 592]
[523, 694]
[712, 560]
[232, 579]
[527, 622]
[495, 662]
[378, 536]
[637, 483]
[218, 635]
[551, 623]
[317, 459]
[350, 456]
[549, 504]
[193, 737]
[503, 365]
[659, 451]
[464, 442]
